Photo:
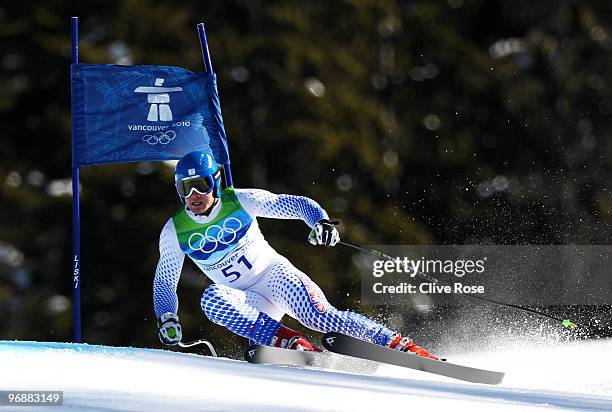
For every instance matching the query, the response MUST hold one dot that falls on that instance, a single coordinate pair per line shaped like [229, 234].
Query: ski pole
[199, 342]
[565, 322]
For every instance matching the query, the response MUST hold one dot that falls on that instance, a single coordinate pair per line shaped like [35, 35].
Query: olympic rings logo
[214, 235]
[159, 137]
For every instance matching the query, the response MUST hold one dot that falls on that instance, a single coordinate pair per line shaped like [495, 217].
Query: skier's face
[198, 203]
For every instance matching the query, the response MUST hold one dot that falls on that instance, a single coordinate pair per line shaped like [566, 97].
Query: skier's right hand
[169, 329]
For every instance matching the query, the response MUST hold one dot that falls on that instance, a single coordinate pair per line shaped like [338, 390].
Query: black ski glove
[324, 233]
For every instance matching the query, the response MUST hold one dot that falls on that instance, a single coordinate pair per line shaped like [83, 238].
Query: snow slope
[576, 376]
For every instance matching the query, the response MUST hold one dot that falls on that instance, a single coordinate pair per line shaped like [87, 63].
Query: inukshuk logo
[159, 111]
[159, 98]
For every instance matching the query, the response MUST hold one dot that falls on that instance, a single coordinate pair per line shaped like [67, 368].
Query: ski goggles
[199, 184]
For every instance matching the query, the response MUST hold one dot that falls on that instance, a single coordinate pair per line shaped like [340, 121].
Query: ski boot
[406, 345]
[291, 339]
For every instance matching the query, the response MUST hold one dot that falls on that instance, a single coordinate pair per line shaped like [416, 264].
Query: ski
[320, 360]
[346, 345]
[280, 356]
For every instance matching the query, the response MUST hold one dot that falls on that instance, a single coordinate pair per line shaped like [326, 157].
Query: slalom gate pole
[565, 322]
[76, 206]
[229, 181]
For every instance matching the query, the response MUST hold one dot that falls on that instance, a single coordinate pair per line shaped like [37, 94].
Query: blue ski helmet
[197, 171]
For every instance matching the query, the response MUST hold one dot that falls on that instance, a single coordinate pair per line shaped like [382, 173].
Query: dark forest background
[413, 122]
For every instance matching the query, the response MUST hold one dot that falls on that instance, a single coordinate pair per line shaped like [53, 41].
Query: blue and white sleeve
[168, 271]
[262, 203]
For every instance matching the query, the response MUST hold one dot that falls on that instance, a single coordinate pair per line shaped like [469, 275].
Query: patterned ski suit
[254, 286]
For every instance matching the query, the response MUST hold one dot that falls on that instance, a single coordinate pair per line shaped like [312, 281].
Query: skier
[254, 286]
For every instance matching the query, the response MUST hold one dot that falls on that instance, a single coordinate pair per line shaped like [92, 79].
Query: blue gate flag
[144, 113]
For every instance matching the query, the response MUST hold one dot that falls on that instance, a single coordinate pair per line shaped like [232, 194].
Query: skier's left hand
[169, 331]
[324, 233]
